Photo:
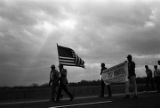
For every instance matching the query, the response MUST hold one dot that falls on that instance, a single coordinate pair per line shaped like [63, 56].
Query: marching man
[103, 84]
[131, 77]
[54, 82]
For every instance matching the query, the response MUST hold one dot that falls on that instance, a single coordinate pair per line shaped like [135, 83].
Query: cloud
[99, 31]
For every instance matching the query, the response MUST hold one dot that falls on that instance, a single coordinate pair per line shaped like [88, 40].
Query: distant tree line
[140, 80]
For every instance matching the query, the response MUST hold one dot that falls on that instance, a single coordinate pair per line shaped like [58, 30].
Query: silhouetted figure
[158, 62]
[103, 84]
[157, 77]
[131, 77]
[63, 83]
[149, 79]
[54, 82]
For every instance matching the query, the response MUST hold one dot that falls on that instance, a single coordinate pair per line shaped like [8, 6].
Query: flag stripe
[70, 64]
[66, 58]
[67, 61]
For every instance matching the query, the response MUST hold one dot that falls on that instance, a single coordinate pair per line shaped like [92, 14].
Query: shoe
[135, 97]
[101, 96]
[61, 96]
[57, 100]
[127, 97]
[109, 97]
[71, 99]
[52, 100]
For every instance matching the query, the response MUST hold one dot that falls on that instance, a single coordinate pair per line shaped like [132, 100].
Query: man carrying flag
[63, 83]
[67, 57]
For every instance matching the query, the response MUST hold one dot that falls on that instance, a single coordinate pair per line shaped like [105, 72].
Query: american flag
[68, 57]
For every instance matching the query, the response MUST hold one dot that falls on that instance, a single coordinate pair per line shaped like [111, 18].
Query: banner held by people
[116, 74]
[68, 57]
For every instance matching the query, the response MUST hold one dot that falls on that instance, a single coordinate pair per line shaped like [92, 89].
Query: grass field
[44, 92]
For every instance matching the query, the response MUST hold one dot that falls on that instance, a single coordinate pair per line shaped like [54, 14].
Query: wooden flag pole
[58, 54]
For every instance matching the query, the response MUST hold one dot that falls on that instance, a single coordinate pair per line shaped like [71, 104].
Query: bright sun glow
[48, 27]
[68, 24]
[45, 26]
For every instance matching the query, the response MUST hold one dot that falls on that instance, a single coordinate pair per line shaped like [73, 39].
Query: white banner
[116, 74]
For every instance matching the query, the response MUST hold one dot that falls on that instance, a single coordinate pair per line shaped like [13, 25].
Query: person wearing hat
[63, 83]
[158, 62]
[53, 82]
[131, 77]
[157, 78]
[103, 84]
[149, 79]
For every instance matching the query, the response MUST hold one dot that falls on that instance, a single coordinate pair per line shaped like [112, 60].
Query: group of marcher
[150, 81]
[58, 82]
[153, 78]
[131, 80]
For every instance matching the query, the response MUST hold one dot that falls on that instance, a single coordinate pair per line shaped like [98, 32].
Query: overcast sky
[98, 31]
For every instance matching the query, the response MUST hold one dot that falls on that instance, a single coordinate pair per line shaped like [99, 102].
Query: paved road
[145, 100]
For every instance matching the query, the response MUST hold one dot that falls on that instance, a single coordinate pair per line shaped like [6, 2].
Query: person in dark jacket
[63, 83]
[149, 79]
[103, 84]
[157, 78]
[131, 77]
[53, 82]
